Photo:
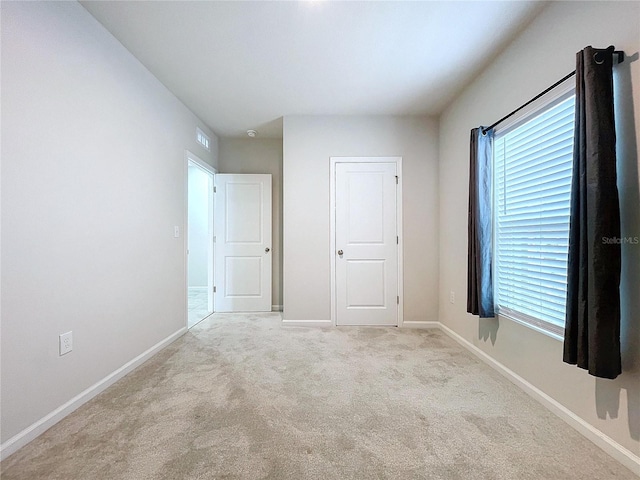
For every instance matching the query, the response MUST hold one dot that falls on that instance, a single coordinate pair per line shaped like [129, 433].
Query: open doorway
[200, 253]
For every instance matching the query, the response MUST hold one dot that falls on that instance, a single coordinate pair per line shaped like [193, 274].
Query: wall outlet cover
[66, 343]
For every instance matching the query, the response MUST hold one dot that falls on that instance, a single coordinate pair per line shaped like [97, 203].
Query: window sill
[538, 328]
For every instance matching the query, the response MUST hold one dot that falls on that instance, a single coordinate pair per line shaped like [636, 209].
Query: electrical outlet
[452, 297]
[66, 343]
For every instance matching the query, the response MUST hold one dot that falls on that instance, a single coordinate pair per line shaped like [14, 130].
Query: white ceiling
[244, 65]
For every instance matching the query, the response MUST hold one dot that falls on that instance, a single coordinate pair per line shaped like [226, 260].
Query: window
[202, 139]
[532, 188]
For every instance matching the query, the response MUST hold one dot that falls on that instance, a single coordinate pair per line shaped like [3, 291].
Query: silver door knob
[266, 250]
[340, 252]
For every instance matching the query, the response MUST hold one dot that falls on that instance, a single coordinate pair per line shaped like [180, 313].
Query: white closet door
[366, 244]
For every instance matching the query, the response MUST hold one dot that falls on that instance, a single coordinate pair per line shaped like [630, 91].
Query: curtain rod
[620, 55]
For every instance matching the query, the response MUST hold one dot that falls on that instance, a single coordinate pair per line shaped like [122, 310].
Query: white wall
[260, 155]
[309, 142]
[542, 54]
[198, 213]
[93, 182]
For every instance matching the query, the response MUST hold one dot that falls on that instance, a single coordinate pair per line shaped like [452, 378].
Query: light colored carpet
[241, 397]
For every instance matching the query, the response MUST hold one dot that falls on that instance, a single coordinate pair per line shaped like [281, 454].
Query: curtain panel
[592, 329]
[479, 247]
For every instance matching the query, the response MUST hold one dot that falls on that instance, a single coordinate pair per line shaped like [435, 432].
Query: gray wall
[260, 155]
[93, 183]
[309, 142]
[543, 53]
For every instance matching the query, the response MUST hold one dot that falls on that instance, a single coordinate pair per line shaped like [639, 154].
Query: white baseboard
[606, 443]
[30, 433]
[276, 308]
[420, 324]
[307, 323]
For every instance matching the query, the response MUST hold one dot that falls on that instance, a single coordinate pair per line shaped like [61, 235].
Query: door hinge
[397, 240]
[398, 299]
[214, 239]
[396, 179]
[214, 289]
[215, 189]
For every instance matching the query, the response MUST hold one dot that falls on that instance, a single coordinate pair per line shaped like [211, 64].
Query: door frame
[332, 226]
[190, 157]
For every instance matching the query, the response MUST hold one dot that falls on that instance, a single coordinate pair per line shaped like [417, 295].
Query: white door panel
[369, 273]
[243, 243]
[243, 276]
[243, 213]
[366, 234]
[365, 210]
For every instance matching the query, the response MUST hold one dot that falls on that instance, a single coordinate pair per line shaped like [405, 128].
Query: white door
[366, 244]
[243, 243]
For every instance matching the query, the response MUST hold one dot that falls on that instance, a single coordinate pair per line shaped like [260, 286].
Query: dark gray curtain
[479, 276]
[592, 330]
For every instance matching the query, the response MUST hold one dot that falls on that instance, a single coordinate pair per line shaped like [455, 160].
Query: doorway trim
[332, 226]
[190, 157]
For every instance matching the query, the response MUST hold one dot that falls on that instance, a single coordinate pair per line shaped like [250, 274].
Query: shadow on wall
[488, 329]
[608, 391]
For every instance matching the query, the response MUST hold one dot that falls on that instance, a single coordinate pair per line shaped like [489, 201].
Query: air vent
[203, 139]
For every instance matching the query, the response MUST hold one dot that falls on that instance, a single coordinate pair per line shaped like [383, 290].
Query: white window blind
[532, 169]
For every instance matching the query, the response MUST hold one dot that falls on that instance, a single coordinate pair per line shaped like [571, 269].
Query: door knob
[340, 252]
[266, 250]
